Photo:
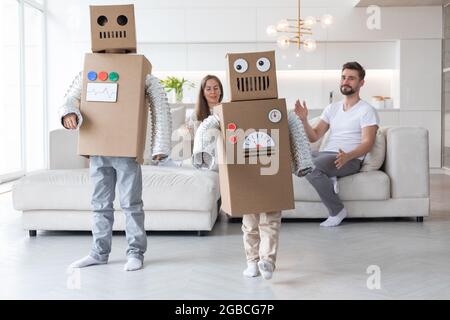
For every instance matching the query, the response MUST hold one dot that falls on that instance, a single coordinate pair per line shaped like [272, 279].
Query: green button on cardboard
[114, 76]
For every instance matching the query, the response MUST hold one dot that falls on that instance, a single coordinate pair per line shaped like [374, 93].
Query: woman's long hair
[201, 108]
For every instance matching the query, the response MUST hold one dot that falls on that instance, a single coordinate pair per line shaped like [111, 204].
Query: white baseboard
[440, 171]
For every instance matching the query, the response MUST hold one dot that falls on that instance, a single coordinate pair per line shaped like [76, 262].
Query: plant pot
[179, 97]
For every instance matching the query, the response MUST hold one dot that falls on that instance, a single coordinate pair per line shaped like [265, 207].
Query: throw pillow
[178, 116]
[375, 158]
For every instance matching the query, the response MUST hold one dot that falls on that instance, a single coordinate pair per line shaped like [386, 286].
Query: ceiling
[401, 3]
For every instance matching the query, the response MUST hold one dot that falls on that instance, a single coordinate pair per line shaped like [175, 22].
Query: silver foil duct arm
[204, 152]
[300, 146]
[160, 117]
[72, 100]
[149, 134]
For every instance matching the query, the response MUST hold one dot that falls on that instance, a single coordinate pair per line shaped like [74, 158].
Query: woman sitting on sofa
[209, 96]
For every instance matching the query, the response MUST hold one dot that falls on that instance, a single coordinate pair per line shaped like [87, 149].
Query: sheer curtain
[22, 88]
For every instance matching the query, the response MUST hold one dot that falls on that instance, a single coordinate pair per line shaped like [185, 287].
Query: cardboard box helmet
[252, 76]
[113, 29]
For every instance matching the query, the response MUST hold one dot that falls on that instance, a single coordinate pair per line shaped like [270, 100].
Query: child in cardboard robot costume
[124, 120]
[258, 139]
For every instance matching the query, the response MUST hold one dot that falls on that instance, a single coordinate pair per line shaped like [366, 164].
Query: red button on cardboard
[232, 127]
[103, 76]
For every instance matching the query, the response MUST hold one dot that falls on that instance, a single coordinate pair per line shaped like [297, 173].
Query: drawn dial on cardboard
[257, 140]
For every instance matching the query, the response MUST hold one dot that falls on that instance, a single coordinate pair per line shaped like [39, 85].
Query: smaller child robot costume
[260, 230]
[252, 80]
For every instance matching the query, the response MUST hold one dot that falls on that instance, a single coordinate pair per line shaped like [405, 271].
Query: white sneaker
[266, 269]
[252, 270]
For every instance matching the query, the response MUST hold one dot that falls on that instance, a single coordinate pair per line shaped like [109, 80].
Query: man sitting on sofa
[353, 125]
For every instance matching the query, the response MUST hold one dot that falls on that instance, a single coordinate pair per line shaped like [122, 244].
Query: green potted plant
[176, 84]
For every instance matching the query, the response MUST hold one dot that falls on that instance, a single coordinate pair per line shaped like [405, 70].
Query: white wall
[191, 38]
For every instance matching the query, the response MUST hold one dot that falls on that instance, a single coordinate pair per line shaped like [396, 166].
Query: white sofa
[182, 198]
[175, 198]
[399, 189]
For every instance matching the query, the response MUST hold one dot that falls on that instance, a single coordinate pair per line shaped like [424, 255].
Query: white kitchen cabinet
[211, 57]
[389, 117]
[220, 25]
[420, 73]
[154, 25]
[430, 120]
[165, 57]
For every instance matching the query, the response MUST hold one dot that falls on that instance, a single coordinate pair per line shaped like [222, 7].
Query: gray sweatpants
[320, 178]
[105, 172]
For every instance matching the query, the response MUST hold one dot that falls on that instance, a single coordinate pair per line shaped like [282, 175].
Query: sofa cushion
[164, 188]
[372, 185]
[375, 158]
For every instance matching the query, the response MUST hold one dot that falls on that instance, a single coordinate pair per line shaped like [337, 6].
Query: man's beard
[347, 92]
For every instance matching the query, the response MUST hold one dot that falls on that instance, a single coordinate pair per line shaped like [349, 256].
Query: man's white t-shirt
[346, 126]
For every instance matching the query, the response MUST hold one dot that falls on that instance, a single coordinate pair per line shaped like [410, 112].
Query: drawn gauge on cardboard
[274, 115]
[258, 143]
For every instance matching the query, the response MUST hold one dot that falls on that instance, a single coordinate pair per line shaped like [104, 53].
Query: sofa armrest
[63, 150]
[407, 162]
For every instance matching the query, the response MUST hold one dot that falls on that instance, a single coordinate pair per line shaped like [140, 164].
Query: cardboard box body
[114, 128]
[243, 188]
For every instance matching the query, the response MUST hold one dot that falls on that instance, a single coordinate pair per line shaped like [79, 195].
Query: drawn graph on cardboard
[101, 92]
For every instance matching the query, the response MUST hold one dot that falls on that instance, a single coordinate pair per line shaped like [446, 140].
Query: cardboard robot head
[113, 29]
[252, 76]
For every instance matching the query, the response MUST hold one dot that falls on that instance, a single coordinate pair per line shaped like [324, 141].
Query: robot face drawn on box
[252, 76]
[113, 29]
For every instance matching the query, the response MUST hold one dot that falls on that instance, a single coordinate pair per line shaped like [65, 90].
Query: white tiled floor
[313, 263]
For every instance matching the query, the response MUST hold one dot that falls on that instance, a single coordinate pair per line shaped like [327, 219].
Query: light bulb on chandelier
[294, 30]
[283, 42]
[309, 45]
[327, 20]
[283, 25]
[271, 31]
[309, 21]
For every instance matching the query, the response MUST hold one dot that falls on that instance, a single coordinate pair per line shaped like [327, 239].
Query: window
[10, 134]
[35, 114]
[23, 124]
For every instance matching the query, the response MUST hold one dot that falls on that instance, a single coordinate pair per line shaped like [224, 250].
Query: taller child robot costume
[117, 83]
